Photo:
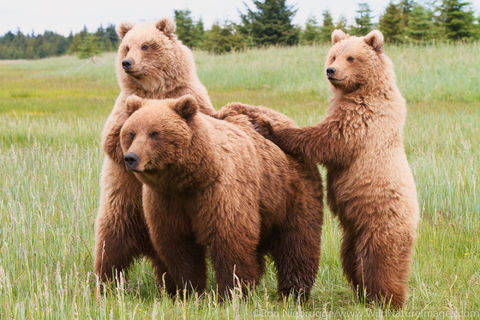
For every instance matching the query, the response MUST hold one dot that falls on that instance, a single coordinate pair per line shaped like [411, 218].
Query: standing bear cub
[370, 185]
[151, 63]
[220, 185]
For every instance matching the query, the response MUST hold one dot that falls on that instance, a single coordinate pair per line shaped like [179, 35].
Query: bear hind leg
[296, 255]
[382, 266]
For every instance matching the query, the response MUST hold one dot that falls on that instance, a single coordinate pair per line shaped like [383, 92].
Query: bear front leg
[235, 264]
[173, 240]
[233, 238]
[324, 143]
[111, 131]
[185, 261]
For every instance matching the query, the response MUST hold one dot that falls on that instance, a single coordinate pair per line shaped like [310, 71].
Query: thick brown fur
[161, 67]
[370, 185]
[218, 184]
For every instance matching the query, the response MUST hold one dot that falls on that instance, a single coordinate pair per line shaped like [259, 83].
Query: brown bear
[218, 184]
[370, 187]
[152, 63]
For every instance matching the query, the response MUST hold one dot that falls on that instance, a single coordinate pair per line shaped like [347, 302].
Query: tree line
[85, 44]
[266, 23]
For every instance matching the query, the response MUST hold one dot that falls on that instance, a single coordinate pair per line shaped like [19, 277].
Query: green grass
[51, 115]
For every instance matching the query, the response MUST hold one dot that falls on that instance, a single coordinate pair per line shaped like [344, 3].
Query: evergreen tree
[341, 23]
[458, 20]
[327, 27]
[198, 33]
[406, 7]
[112, 37]
[185, 27]
[390, 23]
[75, 44]
[420, 24]
[102, 39]
[311, 34]
[31, 46]
[90, 46]
[363, 20]
[270, 23]
[223, 38]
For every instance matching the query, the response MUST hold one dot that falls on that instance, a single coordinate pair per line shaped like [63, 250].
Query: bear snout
[127, 64]
[331, 71]
[131, 160]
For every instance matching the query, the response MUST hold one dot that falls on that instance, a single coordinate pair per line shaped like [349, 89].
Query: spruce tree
[327, 26]
[223, 38]
[341, 23]
[185, 27]
[102, 39]
[363, 20]
[270, 23]
[311, 34]
[198, 34]
[390, 23]
[458, 20]
[406, 7]
[112, 36]
[90, 46]
[419, 27]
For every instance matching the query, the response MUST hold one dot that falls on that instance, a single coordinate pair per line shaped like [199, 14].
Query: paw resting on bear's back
[260, 121]
[263, 127]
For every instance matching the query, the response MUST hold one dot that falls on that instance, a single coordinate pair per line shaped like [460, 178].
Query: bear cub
[218, 184]
[370, 187]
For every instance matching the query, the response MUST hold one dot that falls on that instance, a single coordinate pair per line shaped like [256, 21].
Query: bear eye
[333, 58]
[153, 134]
[145, 47]
[127, 48]
[131, 135]
[350, 59]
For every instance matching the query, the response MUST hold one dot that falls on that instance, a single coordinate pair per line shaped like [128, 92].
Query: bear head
[354, 62]
[150, 57]
[157, 134]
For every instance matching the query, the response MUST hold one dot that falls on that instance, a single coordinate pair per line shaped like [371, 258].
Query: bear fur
[219, 185]
[151, 63]
[370, 187]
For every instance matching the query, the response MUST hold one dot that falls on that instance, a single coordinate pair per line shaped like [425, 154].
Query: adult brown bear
[218, 184]
[151, 63]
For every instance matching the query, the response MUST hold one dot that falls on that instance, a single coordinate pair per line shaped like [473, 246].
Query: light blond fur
[161, 68]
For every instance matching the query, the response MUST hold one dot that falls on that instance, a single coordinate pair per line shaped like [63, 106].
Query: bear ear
[133, 103]
[375, 40]
[338, 35]
[166, 26]
[123, 28]
[186, 106]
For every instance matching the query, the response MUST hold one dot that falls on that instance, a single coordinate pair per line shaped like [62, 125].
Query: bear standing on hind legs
[369, 183]
[151, 63]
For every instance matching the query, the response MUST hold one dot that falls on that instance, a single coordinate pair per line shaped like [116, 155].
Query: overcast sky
[64, 16]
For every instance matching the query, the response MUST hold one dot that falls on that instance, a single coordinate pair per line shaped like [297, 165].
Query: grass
[51, 115]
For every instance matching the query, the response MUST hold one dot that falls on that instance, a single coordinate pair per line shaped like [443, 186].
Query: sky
[63, 16]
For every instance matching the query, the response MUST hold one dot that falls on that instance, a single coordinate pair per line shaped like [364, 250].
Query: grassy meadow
[52, 112]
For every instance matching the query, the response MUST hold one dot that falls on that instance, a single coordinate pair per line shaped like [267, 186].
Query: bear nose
[331, 71]
[127, 64]
[131, 160]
